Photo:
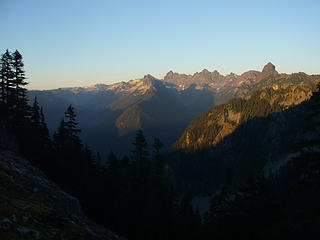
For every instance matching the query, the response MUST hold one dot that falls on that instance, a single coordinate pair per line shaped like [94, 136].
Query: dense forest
[139, 197]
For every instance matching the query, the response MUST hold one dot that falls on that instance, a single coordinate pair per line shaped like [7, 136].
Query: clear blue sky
[77, 43]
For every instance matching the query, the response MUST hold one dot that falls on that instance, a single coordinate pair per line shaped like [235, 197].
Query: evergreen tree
[71, 126]
[112, 162]
[44, 129]
[3, 76]
[140, 154]
[60, 136]
[158, 160]
[35, 113]
[66, 134]
[7, 84]
[19, 81]
[88, 160]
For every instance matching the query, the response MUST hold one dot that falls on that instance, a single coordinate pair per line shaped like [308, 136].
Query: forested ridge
[147, 194]
[211, 127]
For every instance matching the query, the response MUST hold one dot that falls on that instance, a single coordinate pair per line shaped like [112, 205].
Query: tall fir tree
[44, 129]
[60, 136]
[19, 82]
[158, 160]
[140, 154]
[35, 113]
[7, 74]
[71, 126]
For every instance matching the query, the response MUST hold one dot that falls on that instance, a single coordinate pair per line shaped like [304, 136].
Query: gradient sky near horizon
[79, 43]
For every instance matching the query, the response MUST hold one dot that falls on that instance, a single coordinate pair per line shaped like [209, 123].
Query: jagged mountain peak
[205, 71]
[149, 77]
[169, 76]
[269, 70]
[151, 81]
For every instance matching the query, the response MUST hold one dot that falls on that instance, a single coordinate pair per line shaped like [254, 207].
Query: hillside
[211, 127]
[33, 207]
[264, 143]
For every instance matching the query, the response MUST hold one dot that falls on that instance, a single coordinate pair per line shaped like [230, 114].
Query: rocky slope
[222, 87]
[33, 207]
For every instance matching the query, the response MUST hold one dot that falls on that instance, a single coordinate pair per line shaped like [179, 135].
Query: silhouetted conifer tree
[19, 82]
[60, 136]
[112, 162]
[140, 154]
[35, 113]
[158, 160]
[44, 129]
[71, 126]
[7, 75]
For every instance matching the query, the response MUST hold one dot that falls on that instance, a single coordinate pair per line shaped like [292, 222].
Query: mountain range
[109, 115]
[242, 149]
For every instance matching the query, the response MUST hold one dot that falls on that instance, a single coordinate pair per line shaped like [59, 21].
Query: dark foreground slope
[33, 207]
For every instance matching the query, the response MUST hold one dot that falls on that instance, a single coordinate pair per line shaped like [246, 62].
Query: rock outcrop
[269, 70]
[33, 207]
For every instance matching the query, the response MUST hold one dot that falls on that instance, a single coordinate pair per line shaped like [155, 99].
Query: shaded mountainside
[212, 126]
[147, 103]
[152, 107]
[33, 207]
[259, 140]
[263, 179]
[155, 106]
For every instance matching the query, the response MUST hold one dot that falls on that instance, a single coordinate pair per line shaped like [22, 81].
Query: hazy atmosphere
[79, 43]
[159, 120]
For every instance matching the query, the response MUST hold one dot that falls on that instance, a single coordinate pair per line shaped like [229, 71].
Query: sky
[79, 43]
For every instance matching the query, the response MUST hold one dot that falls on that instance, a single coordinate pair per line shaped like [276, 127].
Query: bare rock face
[269, 70]
[33, 207]
[211, 80]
